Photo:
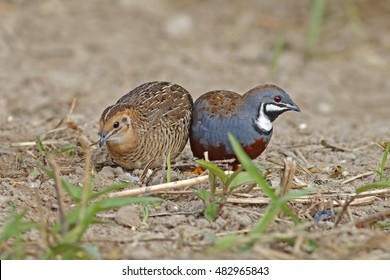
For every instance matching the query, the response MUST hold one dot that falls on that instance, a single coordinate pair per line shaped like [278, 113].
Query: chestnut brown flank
[219, 152]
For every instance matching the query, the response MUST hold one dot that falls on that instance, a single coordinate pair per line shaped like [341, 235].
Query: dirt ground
[53, 51]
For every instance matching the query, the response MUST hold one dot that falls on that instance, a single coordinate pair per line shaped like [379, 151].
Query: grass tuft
[250, 170]
[382, 183]
[213, 201]
[12, 244]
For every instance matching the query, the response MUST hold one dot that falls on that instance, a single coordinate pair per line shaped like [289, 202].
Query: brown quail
[147, 124]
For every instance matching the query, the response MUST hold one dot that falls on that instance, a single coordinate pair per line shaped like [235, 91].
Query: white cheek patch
[115, 139]
[274, 108]
[263, 122]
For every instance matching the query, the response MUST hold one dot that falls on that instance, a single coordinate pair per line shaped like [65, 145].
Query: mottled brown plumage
[147, 124]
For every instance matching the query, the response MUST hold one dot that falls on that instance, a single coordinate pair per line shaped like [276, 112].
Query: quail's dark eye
[277, 98]
[116, 124]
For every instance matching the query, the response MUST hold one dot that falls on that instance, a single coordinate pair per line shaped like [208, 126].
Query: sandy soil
[95, 51]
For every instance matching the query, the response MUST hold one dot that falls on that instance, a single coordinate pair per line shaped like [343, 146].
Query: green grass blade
[211, 167]
[203, 194]
[251, 168]
[47, 171]
[384, 159]
[66, 148]
[270, 213]
[258, 178]
[211, 211]
[71, 251]
[115, 202]
[74, 191]
[15, 225]
[226, 243]
[41, 147]
[110, 188]
[295, 194]
[376, 185]
[317, 8]
[240, 178]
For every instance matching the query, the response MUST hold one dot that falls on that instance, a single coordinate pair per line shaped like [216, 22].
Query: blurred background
[331, 56]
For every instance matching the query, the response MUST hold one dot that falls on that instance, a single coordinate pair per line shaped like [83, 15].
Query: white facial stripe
[274, 108]
[108, 112]
[263, 122]
[115, 139]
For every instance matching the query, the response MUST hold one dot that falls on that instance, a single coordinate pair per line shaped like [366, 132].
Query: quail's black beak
[293, 107]
[103, 137]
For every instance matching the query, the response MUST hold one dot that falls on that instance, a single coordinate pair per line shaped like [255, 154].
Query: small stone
[132, 178]
[107, 172]
[129, 216]
[302, 126]
[33, 185]
[324, 215]
[54, 207]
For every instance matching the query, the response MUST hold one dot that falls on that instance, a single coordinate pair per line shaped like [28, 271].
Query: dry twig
[165, 186]
[288, 175]
[302, 157]
[343, 210]
[367, 221]
[303, 200]
[69, 119]
[174, 213]
[357, 177]
[60, 195]
[33, 143]
[335, 147]
[236, 232]
[85, 144]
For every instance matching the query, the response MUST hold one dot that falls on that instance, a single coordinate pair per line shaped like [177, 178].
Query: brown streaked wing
[220, 102]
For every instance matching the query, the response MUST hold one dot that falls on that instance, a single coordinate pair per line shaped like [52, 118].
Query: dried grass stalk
[164, 187]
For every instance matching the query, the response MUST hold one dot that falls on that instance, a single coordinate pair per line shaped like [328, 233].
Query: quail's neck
[124, 144]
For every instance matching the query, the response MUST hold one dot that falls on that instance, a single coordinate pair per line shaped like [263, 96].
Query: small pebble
[133, 178]
[54, 207]
[129, 216]
[33, 185]
[302, 126]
